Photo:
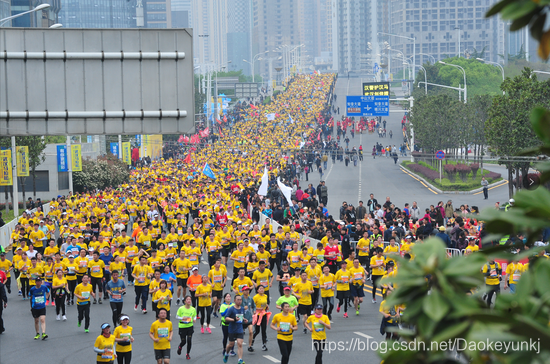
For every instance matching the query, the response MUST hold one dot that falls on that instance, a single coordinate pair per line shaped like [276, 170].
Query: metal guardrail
[6, 230]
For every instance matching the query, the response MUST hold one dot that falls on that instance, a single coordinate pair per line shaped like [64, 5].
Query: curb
[499, 183]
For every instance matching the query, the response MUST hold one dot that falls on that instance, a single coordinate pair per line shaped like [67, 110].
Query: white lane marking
[361, 334]
[330, 170]
[269, 357]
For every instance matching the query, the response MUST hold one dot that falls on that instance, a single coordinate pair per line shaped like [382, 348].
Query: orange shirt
[194, 281]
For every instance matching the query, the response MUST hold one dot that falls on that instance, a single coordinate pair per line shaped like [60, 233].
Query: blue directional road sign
[368, 106]
[375, 68]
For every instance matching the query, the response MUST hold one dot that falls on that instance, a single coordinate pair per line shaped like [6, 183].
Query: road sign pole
[440, 171]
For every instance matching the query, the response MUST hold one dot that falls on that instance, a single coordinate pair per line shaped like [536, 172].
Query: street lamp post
[14, 159]
[428, 55]
[425, 79]
[464, 73]
[38, 8]
[409, 38]
[493, 63]
[254, 59]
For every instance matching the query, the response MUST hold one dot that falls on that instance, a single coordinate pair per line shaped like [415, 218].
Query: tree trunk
[518, 181]
[22, 180]
[33, 171]
[510, 181]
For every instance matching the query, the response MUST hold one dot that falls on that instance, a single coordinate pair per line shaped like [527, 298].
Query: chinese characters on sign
[62, 158]
[5, 168]
[76, 158]
[367, 106]
[376, 89]
[22, 159]
[126, 154]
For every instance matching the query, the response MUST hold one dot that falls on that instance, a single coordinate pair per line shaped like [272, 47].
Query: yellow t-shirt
[120, 333]
[327, 285]
[142, 272]
[240, 258]
[238, 284]
[302, 289]
[284, 325]
[162, 332]
[357, 274]
[313, 275]
[206, 300]
[96, 268]
[180, 266]
[107, 344]
[34, 272]
[342, 280]
[378, 271]
[85, 291]
[514, 271]
[216, 278]
[260, 301]
[319, 330]
[493, 277]
[5, 267]
[363, 247]
[262, 278]
[59, 282]
[163, 299]
[295, 259]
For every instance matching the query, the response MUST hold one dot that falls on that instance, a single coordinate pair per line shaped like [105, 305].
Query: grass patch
[432, 175]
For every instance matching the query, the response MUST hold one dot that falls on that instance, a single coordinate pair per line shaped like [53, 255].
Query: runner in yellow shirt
[317, 324]
[161, 333]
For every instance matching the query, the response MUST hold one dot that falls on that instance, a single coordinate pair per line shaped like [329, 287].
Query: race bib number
[147, 243]
[493, 273]
[239, 318]
[39, 300]
[318, 326]
[131, 254]
[71, 270]
[213, 248]
[357, 276]
[516, 277]
[320, 257]
[82, 264]
[86, 295]
[328, 285]
[314, 280]
[34, 276]
[379, 261]
[295, 259]
[284, 326]
[186, 320]
[241, 259]
[345, 279]
[96, 269]
[141, 279]
[217, 279]
[162, 332]
[107, 354]
[116, 296]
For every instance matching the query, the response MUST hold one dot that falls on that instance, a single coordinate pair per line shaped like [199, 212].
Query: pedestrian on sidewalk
[485, 185]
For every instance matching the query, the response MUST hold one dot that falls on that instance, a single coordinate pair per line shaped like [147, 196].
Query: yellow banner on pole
[126, 153]
[5, 168]
[22, 161]
[76, 158]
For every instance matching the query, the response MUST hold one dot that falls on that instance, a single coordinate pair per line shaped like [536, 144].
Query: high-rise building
[239, 35]
[352, 29]
[446, 28]
[93, 14]
[158, 14]
[39, 19]
[276, 24]
[311, 31]
[5, 11]
[182, 13]
[210, 33]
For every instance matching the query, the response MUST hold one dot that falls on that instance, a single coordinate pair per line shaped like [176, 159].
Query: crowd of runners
[260, 269]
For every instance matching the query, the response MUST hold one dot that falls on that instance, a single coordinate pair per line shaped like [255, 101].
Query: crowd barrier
[6, 230]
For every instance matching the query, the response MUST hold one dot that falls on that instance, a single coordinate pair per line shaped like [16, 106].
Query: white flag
[270, 117]
[291, 121]
[287, 191]
[265, 182]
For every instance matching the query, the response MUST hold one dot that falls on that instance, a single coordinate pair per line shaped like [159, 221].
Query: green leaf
[435, 306]
[540, 120]
[451, 332]
[495, 9]
[542, 275]
[537, 27]
[517, 9]
[521, 22]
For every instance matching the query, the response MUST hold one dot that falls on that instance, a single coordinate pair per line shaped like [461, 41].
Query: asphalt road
[350, 338]
[381, 176]
[355, 338]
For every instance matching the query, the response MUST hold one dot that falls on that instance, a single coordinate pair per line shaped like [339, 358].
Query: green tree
[36, 145]
[436, 120]
[508, 129]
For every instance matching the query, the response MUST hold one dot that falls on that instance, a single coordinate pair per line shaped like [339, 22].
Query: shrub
[492, 175]
[425, 171]
[475, 168]
[463, 170]
[107, 171]
[450, 170]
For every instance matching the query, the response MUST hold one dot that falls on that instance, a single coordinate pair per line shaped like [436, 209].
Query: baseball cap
[442, 228]
[105, 325]
[286, 288]
[194, 269]
[319, 307]
[246, 288]
[408, 237]
[38, 279]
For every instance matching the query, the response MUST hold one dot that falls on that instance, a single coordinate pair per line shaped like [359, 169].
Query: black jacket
[3, 296]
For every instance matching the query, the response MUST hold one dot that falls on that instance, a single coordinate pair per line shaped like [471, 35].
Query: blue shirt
[106, 259]
[235, 327]
[116, 290]
[38, 297]
[166, 277]
[74, 249]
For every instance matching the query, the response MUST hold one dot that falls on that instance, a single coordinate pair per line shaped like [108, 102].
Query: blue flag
[208, 171]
